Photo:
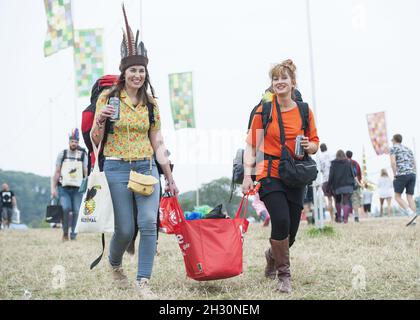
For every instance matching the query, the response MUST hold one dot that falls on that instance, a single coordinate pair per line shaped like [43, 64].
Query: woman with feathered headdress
[135, 139]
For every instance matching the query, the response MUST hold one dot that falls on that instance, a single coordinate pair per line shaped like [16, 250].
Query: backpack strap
[267, 115]
[304, 114]
[151, 113]
[64, 156]
[251, 116]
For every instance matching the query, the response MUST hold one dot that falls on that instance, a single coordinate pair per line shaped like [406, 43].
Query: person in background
[367, 196]
[404, 168]
[71, 168]
[341, 182]
[356, 196]
[308, 203]
[8, 205]
[385, 191]
[324, 160]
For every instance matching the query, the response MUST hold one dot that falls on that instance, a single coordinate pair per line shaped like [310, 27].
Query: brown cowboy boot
[280, 251]
[270, 269]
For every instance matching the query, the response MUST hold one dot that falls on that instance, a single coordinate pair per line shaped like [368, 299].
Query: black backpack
[266, 113]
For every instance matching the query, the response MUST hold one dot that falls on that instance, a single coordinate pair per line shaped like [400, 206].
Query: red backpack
[88, 115]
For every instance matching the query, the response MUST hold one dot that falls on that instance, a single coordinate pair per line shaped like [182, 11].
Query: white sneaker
[412, 219]
[143, 289]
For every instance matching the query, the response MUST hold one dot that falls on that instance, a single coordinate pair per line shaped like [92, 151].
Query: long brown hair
[143, 95]
[340, 155]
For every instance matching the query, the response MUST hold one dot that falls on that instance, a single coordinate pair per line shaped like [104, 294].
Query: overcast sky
[366, 59]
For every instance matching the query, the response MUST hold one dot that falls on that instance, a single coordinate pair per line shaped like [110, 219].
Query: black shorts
[7, 214]
[407, 182]
[367, 207]
[309, 195]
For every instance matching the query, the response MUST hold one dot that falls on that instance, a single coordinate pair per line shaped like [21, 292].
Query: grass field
[375, 259]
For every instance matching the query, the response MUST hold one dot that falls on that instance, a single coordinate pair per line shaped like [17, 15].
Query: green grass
[327, 230]
[382, 251]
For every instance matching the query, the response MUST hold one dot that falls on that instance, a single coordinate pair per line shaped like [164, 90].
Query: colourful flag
[377, 132]
[60, 26]
[364, 166]
[181, 97]
[88, 59]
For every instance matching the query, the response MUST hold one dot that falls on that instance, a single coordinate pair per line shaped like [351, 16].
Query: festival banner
[181, 99]
[88, 59]
[60, 26]
[377, 132]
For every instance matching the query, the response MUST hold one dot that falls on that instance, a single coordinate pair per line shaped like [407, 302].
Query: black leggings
[285, 216]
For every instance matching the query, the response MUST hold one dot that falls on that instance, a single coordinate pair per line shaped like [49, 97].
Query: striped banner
[181, 98]
[88, 59]
[377, 132]
[60, 26]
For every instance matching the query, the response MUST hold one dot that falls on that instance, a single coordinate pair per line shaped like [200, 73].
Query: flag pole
[197, 198]
[416, 163]
[141, 20]
[316, 185]
[197, 169]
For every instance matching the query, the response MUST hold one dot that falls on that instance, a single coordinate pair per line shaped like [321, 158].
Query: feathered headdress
[132, 52]
[74, 135]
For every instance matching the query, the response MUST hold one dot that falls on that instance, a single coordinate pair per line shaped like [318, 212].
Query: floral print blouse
[130, 138]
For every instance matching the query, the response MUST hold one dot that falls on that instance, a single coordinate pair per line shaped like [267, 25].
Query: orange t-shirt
[292, 123]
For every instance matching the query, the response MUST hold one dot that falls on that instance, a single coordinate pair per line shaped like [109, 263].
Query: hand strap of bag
[96, 169]
[95, 152]
[280, 119]
[54, 201]
[238, 213]
[282, 135]
[98, 259]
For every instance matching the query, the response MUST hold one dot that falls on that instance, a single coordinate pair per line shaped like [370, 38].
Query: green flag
[60, 26]
[181, 98]
[88, 59]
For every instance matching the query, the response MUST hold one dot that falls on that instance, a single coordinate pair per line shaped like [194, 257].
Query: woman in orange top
[283, 203]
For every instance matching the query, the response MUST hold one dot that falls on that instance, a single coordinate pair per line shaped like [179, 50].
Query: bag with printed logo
[212, 248]
[170, 213]
[96, 214]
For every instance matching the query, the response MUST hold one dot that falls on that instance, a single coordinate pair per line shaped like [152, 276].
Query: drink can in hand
[115, 102]
[299, 151]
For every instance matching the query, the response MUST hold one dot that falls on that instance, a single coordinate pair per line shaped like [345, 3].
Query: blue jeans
[117, 173]
[70, 200]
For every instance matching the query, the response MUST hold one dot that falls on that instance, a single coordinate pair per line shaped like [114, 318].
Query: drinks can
[115, 102]
[299, 151]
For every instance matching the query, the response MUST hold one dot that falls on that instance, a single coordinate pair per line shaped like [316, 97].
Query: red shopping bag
[212, 248]
[170, 214]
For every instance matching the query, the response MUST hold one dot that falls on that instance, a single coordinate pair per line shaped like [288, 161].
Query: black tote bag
[54, 212]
